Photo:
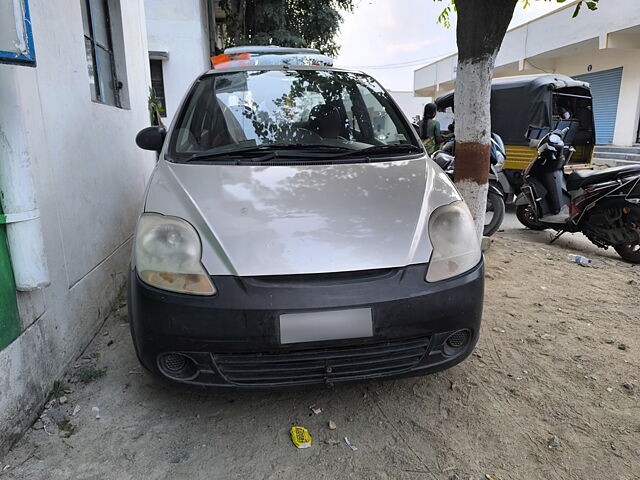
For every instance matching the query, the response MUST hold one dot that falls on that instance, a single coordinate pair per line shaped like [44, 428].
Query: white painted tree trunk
[475, 195]
[473, 127]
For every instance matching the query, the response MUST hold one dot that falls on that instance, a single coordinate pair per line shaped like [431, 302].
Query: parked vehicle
[295, 232]
[602, 204]
[542, 100]
[495, 197]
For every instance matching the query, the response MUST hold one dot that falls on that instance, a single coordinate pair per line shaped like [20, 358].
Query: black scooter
[602, 204]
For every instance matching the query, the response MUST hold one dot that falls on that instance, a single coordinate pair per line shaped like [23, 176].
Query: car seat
[325, 121]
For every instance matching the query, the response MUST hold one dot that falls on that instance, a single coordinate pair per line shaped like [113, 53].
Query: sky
[389, 39]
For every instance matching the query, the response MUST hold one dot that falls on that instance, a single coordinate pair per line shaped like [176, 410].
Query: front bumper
[233, 339]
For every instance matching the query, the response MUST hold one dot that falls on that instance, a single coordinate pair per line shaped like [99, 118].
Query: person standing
[430, 129]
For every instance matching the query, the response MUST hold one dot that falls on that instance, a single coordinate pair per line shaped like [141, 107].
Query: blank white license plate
[327, 325]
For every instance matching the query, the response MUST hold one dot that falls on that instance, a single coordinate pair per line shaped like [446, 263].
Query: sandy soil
[542, 397]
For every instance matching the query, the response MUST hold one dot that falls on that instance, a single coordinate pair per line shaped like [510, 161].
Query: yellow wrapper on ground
[300, 437]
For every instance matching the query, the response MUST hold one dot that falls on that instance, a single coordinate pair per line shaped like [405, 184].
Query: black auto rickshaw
[550, 101]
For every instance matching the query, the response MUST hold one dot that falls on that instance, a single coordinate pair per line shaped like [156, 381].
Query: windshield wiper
[393, 148]
[227, 152]
[304, 146]
[269, 151]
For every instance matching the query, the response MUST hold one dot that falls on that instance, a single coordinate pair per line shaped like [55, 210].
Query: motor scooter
[602, 204]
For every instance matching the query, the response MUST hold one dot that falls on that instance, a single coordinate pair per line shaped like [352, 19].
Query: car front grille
[322, 365]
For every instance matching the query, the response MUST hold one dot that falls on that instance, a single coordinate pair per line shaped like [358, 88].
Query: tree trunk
[482, 25]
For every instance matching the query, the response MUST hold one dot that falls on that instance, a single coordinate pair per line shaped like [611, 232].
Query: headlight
[454, 240]
[499, 166]
[168, 255]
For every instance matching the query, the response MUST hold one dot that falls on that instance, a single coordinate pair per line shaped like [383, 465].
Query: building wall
[411, 105]
[178, 27]
[628, 112]
[89, 179]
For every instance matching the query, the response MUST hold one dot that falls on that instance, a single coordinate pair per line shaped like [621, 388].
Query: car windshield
[309, 110]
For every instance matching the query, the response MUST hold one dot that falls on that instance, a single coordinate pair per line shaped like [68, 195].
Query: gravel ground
[551, 392]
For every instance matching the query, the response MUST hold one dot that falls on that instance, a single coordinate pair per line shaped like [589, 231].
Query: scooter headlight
[454, 240]
[168, 255]
[499, 166]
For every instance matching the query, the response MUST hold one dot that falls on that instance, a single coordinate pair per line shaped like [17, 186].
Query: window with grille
[103, 82]
[157, 84]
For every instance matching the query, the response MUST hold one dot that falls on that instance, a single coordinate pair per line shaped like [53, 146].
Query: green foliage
[591, 5]
[58, 389]
[445, 16]
[155, 108]
[66, 428]
[287, 23]
[89, 373]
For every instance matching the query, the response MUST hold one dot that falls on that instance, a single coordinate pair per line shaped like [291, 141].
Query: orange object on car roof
[269, 55]
[228, 60]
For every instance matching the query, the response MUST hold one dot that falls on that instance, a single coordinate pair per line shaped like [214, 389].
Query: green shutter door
[9, 317]
[605, 89]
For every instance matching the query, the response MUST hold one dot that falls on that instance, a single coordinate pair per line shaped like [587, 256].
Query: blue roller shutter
[605, 88]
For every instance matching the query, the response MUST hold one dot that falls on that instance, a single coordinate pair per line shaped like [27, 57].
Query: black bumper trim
[242, 321]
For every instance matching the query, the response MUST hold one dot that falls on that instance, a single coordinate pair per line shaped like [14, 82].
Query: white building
[71, 175]
[601, 47]
[178, 42]
[411, 105]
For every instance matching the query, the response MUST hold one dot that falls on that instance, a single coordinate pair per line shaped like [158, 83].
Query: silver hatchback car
[294, 232]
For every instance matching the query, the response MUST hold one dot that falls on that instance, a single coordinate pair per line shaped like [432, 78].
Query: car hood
[309, 218]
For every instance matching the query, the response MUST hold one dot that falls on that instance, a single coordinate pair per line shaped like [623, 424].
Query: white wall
[89, 178]
[178, 27]
[410, 105]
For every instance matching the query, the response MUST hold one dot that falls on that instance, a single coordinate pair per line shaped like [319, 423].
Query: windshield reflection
[303, 108]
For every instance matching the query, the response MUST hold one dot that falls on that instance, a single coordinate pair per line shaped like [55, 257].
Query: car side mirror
[151, 138]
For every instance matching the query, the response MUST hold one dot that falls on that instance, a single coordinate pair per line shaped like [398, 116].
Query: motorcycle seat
[580, 178]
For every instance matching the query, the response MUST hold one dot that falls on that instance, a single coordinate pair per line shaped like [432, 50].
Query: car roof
[284, 68]
[274, 49]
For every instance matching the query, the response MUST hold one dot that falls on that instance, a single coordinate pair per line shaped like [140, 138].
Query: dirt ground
[542, 397]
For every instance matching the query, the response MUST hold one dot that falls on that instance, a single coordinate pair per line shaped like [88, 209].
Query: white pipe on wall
[24, 233]
[17, 192]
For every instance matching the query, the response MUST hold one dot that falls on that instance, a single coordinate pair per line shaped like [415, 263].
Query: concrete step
[612, 162]
[633, 157]
[634, 150]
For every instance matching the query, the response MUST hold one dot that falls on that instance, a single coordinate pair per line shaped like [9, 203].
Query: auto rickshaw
[550, 101]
